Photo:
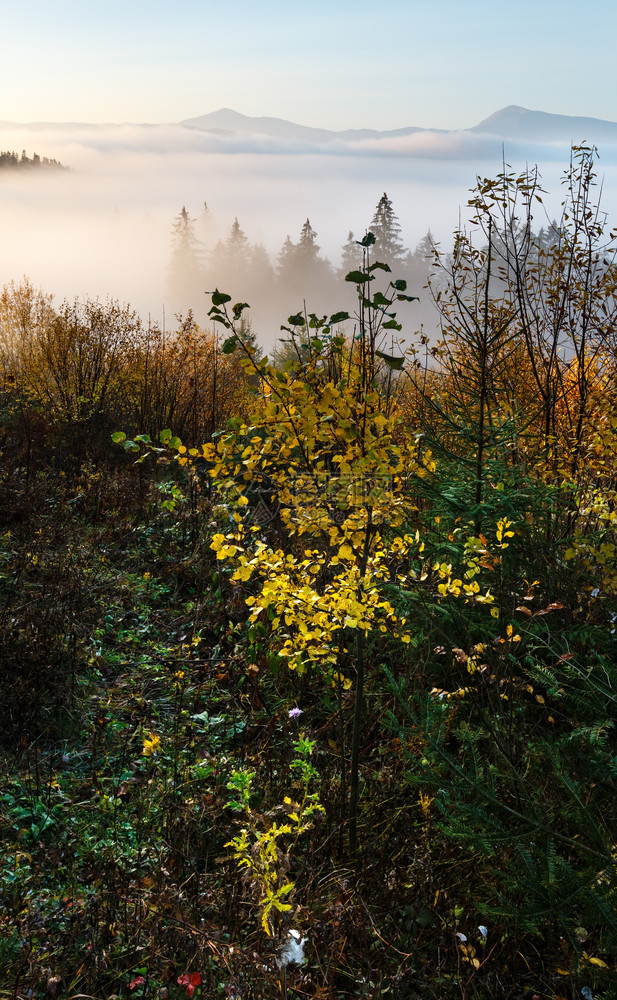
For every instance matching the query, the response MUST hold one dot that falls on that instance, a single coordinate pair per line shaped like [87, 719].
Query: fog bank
[104, 227]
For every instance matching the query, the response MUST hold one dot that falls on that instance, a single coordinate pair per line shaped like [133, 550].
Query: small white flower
[595, 593]
[295, 713]
[461, 937]
[291, 951]
[483, 930]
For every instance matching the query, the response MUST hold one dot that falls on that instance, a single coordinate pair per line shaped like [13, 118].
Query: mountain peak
[515, 122]
[510, 123]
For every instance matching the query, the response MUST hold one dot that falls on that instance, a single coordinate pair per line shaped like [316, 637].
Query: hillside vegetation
[309, 666]
[11, 160]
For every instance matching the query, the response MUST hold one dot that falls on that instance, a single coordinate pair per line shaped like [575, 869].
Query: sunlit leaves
[151, 744]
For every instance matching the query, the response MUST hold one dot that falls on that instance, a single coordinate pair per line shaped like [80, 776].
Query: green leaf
[400, 285]
[239, 308]
[175, 442]
[358, 277]
[368, 240]
[297, 320]
[392, 362]
[379, 266]
[220, 298]
[425, 918]
[118, 437]
[339, 317]
[230, 345]
[164, 436]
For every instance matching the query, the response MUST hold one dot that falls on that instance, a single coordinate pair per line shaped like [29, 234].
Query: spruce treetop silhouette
[185, 273]
[237, 247]
[351, 256]
[184, 240]
[300, 255]
[307, 247]
[299, 263]
[286, 253]
[387, 232]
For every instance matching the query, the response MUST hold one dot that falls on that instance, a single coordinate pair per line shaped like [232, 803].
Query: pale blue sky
[333, 63]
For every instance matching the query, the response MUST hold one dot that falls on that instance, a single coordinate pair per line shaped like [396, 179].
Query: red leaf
[138, 981]
[190, 982]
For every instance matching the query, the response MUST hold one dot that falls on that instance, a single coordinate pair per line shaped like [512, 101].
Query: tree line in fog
[12, 160]
[299, 274]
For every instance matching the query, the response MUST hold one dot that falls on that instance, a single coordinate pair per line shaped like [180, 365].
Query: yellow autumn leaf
[150, 745]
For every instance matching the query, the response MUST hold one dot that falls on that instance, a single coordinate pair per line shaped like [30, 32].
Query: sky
[329, 63]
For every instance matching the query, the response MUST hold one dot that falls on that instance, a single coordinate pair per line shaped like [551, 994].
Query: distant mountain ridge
[522, 134]
[512, 122]
[229, 121]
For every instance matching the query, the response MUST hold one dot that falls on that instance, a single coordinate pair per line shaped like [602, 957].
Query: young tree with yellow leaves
[322, 458]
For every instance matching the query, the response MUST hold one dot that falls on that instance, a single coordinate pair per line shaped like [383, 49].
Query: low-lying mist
[104, 228]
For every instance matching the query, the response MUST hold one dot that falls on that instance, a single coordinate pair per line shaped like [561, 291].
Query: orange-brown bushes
[71, 375]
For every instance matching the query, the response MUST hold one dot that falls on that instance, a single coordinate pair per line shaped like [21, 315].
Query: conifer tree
[307, 250]
[286, 254]
[351, 257]
[186, 268]
[299, 264]
[387, 232]
[237, 248]
[424, 251]
[206, 226]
